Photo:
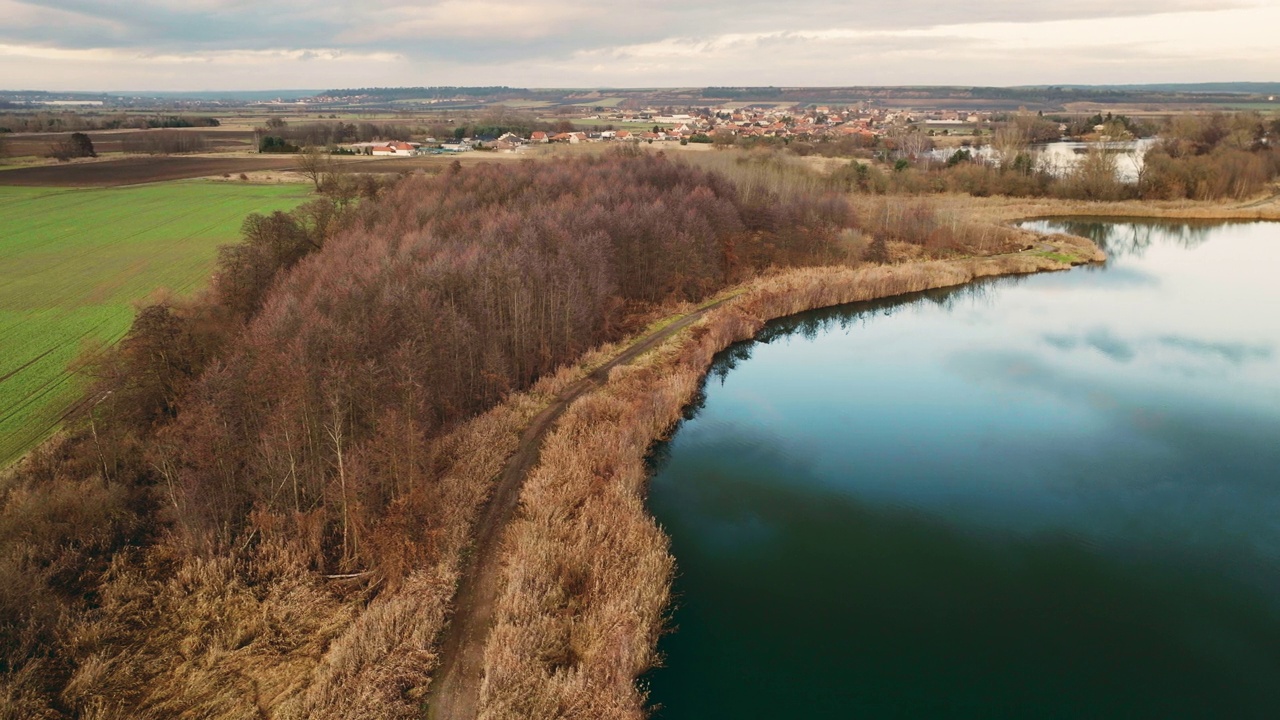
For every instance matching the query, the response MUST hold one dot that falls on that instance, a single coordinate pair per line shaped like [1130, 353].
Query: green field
[619, 124]
[608, 102]
[74, 262]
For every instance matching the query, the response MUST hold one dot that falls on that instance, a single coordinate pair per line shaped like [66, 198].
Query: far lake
[1046, 497]
[1060, 158]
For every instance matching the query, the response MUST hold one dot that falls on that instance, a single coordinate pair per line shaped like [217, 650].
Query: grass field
[619, 124]
[608, 102]
[73, 263]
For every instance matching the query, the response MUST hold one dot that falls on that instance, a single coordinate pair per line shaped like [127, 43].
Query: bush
[75, 145]
[273, 144]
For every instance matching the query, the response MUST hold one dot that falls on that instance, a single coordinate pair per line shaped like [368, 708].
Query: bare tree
[910, 142]
[316, 165]
[1009, 143]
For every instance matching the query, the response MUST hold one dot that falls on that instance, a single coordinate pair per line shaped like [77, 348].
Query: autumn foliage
[440, 299]
[321, 413]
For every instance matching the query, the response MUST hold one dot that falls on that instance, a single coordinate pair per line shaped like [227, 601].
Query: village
[722, 125]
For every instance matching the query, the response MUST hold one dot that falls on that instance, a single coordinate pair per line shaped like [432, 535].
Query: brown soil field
[114, 141]
[139, 169]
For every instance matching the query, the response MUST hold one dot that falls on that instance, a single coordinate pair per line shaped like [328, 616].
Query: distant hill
[221, 95]
[1245, 88]
[1047, 98]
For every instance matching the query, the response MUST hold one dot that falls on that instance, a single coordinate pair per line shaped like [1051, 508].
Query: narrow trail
[455, 689]
[1275, 197]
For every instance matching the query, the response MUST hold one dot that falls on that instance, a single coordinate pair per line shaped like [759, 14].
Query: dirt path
[1264, 201]
[455, 689]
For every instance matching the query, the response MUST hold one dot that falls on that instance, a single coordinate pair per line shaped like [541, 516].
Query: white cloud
[464, 19]
[85, 44]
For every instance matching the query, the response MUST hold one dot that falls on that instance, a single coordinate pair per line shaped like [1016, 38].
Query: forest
[284, 449]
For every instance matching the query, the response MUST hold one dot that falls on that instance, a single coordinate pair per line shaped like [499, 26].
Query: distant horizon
[1225, 86]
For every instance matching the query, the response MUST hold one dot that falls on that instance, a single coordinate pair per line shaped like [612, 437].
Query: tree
[75, 145]
[962, 155]
[910, 143]
[878, 250]
[315, 165]
[273, 144]
[1010, 143]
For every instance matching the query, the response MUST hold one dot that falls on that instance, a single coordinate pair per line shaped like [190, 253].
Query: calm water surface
[1054, 497]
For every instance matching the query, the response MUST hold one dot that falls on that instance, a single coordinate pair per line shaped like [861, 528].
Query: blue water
[1048, 497]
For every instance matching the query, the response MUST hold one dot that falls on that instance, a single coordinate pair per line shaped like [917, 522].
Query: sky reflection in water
[1082, 465]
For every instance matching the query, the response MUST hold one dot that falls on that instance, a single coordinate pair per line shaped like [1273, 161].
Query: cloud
[480, 21]
[663, 42]
[1233, 352]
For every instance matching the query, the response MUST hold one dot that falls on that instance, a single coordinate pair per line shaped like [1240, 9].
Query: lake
[1054, 497]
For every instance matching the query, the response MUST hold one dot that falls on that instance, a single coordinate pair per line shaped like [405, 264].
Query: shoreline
[1009, 209]
[586, 571]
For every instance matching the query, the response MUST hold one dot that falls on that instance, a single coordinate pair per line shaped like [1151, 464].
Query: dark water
[1055, 497]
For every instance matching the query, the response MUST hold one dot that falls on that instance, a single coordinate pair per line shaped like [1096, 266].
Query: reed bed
[259, 634]
[1003, 209]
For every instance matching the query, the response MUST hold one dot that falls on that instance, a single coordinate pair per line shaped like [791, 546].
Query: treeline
[1195, 157]
[423, 93]
[327, 134]
[164, 142]
[41, 122]
[295, 408]
[1213, 156]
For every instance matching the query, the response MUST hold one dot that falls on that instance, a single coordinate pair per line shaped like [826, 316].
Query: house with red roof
[395, 149]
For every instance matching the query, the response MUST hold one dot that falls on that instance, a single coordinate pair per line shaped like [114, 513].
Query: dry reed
[259, 633]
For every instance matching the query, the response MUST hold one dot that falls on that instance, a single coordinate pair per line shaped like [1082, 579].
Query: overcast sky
[269, 44]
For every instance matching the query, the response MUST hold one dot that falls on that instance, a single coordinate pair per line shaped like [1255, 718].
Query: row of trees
[164, 142]
[327, 134]
[42, 122]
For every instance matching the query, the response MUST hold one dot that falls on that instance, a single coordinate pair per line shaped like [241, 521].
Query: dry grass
[761, 171]
[260, 634]
[1004, 209]
[587, 572]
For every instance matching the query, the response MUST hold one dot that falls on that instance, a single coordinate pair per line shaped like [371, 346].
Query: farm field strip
[138, 169]
[73, 264]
